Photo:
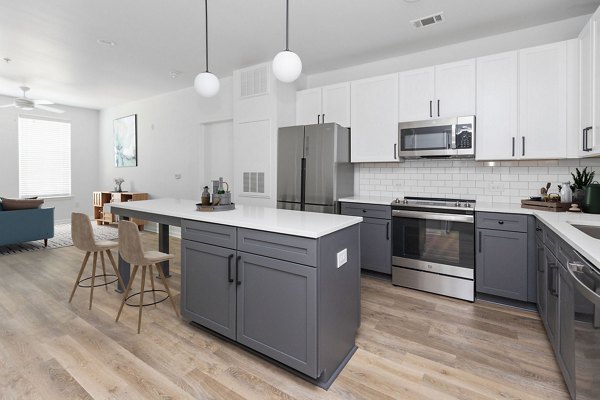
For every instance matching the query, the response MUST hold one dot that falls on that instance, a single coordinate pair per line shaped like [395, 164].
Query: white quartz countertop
[297, 223]
[368, 200]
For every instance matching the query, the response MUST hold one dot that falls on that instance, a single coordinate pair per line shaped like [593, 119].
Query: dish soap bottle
[566, 194]
[205, 197]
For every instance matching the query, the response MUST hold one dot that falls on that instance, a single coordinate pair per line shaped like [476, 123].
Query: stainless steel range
[433, 245]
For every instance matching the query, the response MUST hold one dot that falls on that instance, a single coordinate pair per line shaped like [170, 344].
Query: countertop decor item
[591, 201]
[206, 83]
[215, 207]
[118, 183]
[555, 206]
[574, 208]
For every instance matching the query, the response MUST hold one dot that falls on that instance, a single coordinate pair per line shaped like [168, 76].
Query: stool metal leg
[85, 260]
[135, 268]
[164, 280]
[103, 270]
[152, 283]
[114, 265]
[141, 298]
[93, 278]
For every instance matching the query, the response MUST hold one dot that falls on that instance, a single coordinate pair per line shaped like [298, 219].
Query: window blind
[44, 157]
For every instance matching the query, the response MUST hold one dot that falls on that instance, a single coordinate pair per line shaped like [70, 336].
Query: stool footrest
[146, 304]
[98, 284]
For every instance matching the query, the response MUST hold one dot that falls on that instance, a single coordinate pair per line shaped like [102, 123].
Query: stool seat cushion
[106, 244]
[153, 257]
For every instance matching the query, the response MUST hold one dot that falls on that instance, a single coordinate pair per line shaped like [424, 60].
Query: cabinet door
[308, 106]
[586, 91]
[594, 135]
[502, 264]
[455, 89]
[552, 298]
[208, 290]
[542, 288]
[497, 106]
[375, 245]
[336, 104]
[277, 310]
[543, 101]
[416, 93]
[374, 116]
[566, 334]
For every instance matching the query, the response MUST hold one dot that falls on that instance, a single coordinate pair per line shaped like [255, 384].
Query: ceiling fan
[27, 104]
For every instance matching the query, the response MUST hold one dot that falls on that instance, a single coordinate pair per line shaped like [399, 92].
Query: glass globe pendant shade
[206, 84]
[287, 66]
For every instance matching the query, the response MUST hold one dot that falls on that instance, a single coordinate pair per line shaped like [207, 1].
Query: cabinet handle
[323, 118]
[501, 222]
[552, 268]
[538, 229]
[395, 148]
[318, 119]
[229, 277]
[513, 146]
[438, 107]
[586, 132]
[540, 258]
[364, 211]
[480, 241]
[523, 149]
[237, 270]
[387, 231]
[430, 108]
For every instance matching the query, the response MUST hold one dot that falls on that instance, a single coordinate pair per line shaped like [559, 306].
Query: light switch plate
[342, 257]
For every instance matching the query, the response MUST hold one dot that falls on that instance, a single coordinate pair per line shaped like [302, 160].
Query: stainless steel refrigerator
[313, 167]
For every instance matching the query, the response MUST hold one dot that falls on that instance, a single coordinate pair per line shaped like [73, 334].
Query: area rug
[62, 238]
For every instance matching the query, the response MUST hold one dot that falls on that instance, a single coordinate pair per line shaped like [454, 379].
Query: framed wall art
[125, 141]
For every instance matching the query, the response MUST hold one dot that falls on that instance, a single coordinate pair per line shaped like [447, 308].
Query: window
[44, 157]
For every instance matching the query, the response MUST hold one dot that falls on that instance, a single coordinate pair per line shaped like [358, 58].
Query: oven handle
[577, 268]
[433, 216]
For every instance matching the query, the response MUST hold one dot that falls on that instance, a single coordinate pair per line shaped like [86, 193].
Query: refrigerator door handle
[306, 146]
[303, 185]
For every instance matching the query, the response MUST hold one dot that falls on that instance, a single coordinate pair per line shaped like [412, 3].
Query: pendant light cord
[287, 25]
[206, 27]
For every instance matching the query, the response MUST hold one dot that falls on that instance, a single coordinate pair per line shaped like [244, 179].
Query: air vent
[254, 81]
[429, 20]
[254, 182]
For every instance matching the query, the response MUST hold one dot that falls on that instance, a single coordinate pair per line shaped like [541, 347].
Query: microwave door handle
[454, 132]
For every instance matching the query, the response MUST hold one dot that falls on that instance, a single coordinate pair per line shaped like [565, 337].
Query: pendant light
[287, 66]
[206, 83]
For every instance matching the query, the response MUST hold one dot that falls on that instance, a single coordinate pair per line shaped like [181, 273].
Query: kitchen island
[284, 284]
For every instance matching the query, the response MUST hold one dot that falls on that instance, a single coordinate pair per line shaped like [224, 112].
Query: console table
[101, 198]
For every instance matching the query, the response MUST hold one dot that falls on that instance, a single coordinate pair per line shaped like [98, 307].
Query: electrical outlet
[342, 257]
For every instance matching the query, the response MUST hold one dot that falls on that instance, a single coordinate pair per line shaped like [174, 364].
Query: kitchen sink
[590, 230]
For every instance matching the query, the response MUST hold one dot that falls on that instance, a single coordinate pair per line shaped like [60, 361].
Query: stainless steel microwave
[444, 137]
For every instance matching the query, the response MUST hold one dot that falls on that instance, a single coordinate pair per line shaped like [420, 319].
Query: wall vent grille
[429, 20]
[254, 182]
[254, 81]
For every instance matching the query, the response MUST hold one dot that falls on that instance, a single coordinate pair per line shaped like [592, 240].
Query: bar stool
[131, 250]
[83, 238]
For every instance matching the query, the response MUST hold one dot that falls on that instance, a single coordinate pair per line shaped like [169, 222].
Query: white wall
[542, 34]
[84, 157]
[170, 127]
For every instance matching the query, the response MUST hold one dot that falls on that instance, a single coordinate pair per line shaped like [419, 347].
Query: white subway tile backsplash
[506, 181]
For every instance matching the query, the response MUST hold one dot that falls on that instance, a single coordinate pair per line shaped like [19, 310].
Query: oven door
[434, 242]
[427, 138]
[586, 281]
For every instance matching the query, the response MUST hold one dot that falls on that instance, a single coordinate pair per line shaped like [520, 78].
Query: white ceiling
[53, 45]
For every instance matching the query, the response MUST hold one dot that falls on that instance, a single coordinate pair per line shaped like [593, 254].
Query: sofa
[17, 226]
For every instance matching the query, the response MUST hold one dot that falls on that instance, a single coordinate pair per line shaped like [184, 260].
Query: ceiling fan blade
[42, 102]
[8, 105]
[51, 109]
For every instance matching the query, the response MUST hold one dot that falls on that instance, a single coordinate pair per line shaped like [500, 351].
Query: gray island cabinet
[280, 295]
[283, 284]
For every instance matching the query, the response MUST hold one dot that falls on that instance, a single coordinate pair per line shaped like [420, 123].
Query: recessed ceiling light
[105, 42]
[7, 59]
[174, 74]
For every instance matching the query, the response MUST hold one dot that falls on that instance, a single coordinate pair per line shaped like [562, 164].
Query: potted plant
[580, 180]
[118, 183]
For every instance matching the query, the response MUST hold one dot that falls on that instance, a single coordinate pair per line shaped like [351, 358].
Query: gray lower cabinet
[501, 261]
[277, 310]
[375, 235]
[551, 321]
[541, 279]
[208, 287]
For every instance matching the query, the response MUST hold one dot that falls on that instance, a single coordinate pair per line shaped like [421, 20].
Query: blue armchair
[19, 226]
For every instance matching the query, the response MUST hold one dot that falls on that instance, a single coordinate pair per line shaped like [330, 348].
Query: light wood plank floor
[412, 345]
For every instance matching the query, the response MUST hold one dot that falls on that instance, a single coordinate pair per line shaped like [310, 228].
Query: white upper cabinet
[308, 106]
[324, 104]
[446, 90]
[497, 107]
[593, 136]
[374, 119]
[586, 90]
[416, 95]
[543, 101]
[455, 89]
